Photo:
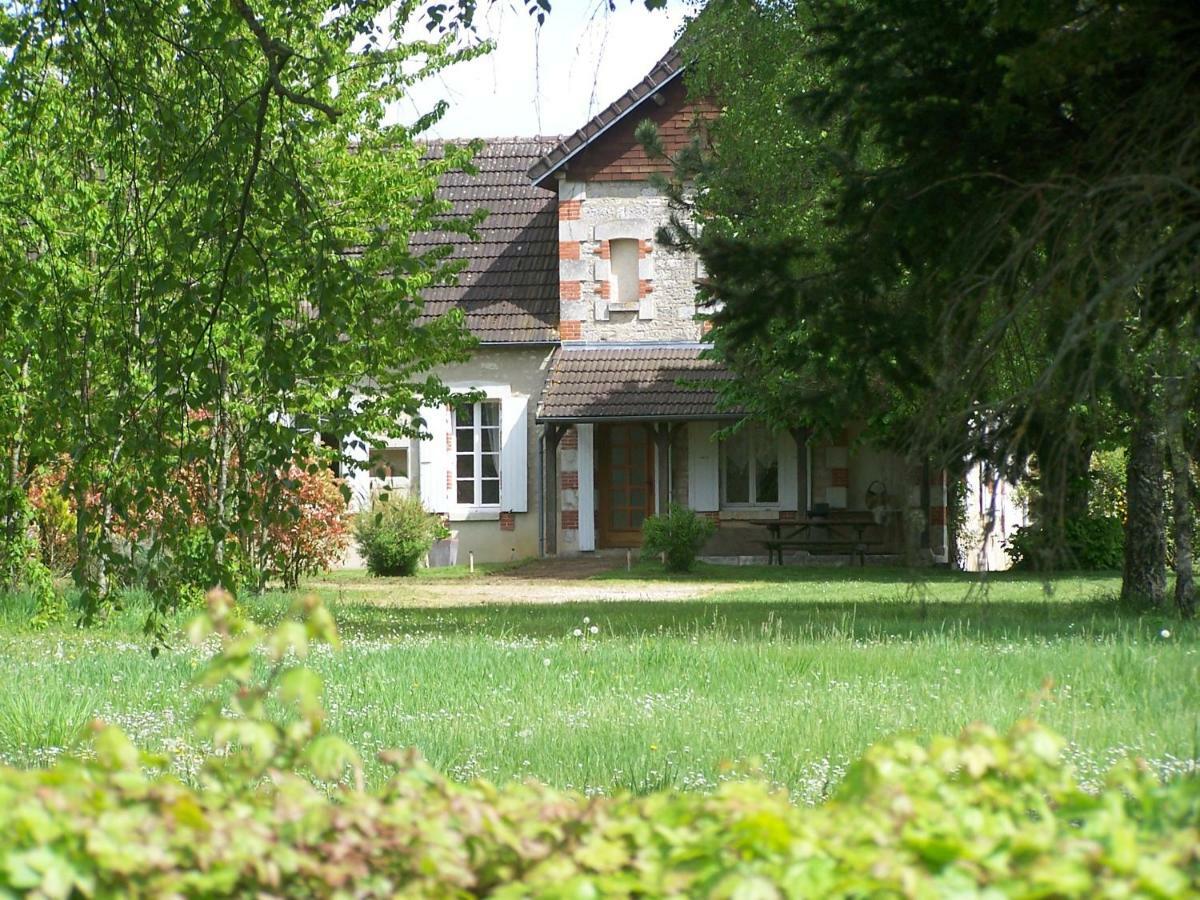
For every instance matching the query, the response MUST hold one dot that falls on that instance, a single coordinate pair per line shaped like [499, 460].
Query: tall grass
[789, 679]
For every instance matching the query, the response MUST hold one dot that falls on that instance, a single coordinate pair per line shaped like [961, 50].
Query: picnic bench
[824, 535]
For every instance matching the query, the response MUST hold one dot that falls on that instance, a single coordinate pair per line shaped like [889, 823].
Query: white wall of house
[499, 532]
[993, 511]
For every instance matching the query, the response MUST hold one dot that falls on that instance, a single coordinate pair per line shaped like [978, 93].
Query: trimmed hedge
[951, 818]
[978, 816]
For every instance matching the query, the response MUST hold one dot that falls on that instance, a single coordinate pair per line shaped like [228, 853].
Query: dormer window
[624, 255]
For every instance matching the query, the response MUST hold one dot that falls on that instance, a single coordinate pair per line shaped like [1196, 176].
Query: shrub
[679, 534]
[315, 534]
[394, 533]
[1092, 543]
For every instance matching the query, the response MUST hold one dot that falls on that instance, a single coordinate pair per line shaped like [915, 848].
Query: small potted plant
[444, 551]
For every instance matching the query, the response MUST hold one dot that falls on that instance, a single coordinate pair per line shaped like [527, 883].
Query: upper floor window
[750, 468]
[623, 254]
[477, 453]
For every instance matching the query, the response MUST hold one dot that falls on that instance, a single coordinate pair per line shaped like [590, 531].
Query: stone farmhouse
[600, 407]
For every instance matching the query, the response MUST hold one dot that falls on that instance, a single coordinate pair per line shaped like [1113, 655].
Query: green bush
[394, 533]
[278, 810]
[1093, 543]
[679, 534]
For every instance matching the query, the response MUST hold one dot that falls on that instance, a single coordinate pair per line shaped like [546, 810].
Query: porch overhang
[634, 383]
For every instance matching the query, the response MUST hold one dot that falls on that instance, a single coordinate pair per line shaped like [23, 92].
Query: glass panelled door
[625, 463]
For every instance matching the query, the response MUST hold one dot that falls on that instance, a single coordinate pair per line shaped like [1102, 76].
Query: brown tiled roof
[666, 70]
[509, 287]
[633, 382]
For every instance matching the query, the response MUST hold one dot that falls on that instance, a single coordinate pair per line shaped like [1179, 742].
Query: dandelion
[577, 633]
[595, 629]
[1164, 634]
[546, 661]
[587, 620]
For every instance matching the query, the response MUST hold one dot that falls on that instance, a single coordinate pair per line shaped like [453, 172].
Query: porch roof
[633, 382]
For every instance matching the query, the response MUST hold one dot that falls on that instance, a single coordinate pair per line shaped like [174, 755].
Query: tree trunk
[1144, 579]
[223, 452]
[15, 512]
[1181, 503]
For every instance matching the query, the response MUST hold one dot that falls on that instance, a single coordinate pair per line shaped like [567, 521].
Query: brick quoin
[570, 440]
[570, 330]
[569, 481]
[605, 251]
[569, 210]
[840, 477]
[937, 515]
[604, 289]
[450, 480]
[568, 249]
[508, 522]
[570, 290]
[645, 248]
[645, 287]
[570, 519]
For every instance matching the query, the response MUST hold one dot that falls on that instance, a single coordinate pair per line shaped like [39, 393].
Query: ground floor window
[477, 453]
[750, 468]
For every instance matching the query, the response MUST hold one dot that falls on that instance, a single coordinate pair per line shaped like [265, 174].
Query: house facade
[599, 405]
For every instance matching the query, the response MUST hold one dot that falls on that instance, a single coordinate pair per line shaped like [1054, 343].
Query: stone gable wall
[591, 215]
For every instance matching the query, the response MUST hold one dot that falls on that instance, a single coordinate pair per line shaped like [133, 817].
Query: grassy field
[788, 673]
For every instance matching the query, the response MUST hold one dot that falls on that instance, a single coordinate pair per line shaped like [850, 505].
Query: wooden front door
[625, 482]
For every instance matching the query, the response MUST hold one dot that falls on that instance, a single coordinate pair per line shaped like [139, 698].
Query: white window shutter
[704, 478]
[789, 482]
[514, 454]
[587, 488]
[435, 459]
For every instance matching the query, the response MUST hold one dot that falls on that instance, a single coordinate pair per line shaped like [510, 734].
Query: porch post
[662, 479]
[550, 438]
[800, 436]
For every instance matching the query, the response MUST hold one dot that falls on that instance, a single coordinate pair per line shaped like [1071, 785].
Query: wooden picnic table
[848, 534]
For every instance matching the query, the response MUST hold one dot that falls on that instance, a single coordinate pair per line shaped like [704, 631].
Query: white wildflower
[595, 629]
[577, 633]
[1164, 634]
[546, 661]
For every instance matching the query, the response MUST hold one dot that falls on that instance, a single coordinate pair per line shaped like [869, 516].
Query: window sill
[474, 514]
[624, 307]
[749, 513]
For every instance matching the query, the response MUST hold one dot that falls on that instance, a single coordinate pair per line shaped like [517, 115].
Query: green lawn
[786, 672]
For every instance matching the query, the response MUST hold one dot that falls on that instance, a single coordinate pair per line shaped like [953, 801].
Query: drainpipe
[541, 494]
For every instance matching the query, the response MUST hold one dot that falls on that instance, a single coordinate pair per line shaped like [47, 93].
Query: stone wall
[591, 215]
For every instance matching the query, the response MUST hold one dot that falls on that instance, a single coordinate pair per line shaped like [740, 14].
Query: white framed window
[623, 259]
[477, 454]
[750, 468]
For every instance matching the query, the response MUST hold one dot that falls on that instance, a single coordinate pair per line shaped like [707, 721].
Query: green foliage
[199, 204]
[679, 534]
[394, 533]
[1092, 543]
[1106, 483]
